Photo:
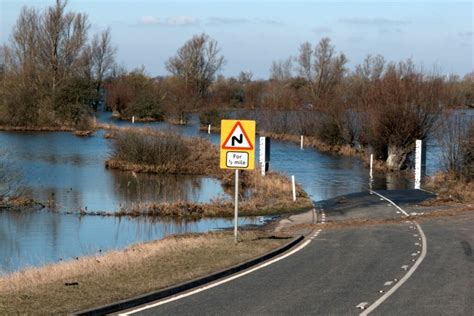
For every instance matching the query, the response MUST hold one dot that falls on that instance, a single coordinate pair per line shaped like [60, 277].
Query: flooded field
[70, 171]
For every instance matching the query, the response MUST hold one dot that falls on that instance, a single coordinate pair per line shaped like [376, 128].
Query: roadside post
[293, 187]
[209, 129]
[133, 119]
[371, 165]
[418, 159]
[371, 178]
[237, 152]
[301, 141]
[264, 154]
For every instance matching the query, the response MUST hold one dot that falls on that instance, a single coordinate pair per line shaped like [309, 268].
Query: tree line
[53, 74]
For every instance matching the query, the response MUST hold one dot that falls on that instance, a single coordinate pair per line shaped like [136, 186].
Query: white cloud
[181, 20]
[322, 30]
[226, 20]
[148, 20]
[169, 21]
[373, 21]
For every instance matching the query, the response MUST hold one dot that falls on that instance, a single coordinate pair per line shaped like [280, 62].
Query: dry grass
[84, 133]
[18, 202]
[151, 151]
[37, 128]
[118, 275]
[269, 195]
[451, 188]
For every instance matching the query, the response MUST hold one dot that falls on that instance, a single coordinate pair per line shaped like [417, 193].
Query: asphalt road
[344, 268]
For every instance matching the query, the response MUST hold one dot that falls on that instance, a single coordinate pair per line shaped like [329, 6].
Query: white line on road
[408, 274]
[391, 202]
[210, 286]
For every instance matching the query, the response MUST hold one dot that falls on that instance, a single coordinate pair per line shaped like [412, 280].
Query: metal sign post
[236, 204]
[237, 151]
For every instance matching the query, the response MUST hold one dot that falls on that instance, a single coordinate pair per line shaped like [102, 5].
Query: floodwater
[70, 171]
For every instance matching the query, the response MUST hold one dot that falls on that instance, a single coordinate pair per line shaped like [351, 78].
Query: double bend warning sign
[237, 144]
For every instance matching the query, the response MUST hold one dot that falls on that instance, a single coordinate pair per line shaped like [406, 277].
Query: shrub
[147, 150]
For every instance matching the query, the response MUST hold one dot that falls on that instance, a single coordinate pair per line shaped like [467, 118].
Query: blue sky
[252, 34]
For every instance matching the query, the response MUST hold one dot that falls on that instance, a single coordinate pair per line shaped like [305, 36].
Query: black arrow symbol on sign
[240, 140]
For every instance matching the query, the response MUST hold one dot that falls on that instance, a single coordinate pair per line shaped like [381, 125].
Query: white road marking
[410, 272]
[212, 285]
[388, 283]
[362, 305]
[391, 202]
[226, 280]
[404, 267]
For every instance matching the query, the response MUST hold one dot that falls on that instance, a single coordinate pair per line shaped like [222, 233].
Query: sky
[437, 35]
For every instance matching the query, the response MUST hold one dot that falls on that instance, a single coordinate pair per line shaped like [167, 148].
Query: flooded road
[70, 171]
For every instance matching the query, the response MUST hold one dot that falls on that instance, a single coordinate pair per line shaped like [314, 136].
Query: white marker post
[301, 145]
[418, 149]
[293, 187]
[371, 165]
[236, 204]
[371, 178]
[209, 129]
[133, 119]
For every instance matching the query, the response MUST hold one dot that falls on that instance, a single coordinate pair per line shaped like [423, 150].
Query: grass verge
[91, 281]
[450, 188]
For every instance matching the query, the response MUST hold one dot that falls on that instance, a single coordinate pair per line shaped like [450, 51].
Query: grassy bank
[151, 151]
[90, 281]
[269, 195]
[451, 188]
[19, 203]
[87, 128]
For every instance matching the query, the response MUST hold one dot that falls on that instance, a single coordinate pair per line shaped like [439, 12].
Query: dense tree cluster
[51, 73]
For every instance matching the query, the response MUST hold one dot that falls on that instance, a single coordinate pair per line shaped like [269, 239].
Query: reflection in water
[37, 238]
[133, 188]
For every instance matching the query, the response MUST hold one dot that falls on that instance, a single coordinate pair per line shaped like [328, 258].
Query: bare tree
[100, 59]
[282, 70]
[401, 107]
[456, 138]
[196, 63]
[62, 37]
[245, 77]
[51, 75]
[322, 68]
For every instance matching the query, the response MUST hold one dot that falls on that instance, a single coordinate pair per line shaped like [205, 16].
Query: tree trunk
[396, 157]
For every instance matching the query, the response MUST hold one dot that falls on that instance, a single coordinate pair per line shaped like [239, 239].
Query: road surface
[349, 270]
